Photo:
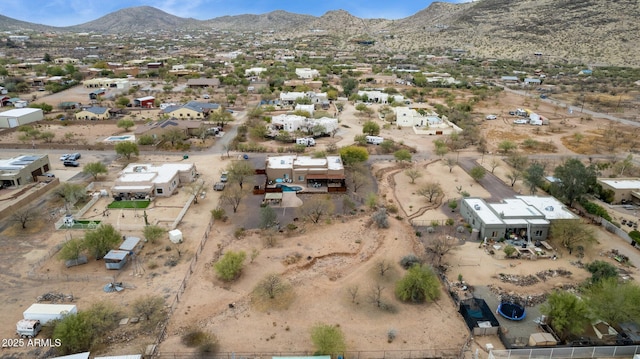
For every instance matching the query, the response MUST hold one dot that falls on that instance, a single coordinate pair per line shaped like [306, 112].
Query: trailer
[48, 312]
[307, 141]
[28, 328]
[374, 140]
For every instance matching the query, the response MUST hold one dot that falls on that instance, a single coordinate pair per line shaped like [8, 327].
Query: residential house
[306, 170]
[254, 71]
[625, 190]
[289, 98]
[23, 169]
[292, 123]
[147, 180]
[192, 110]
[308, 108]
[307, 73]
[158, 128]
[381, 97]
[93, 113]
[104, 82]
[510, 79]
[521, 217]
[532, 81]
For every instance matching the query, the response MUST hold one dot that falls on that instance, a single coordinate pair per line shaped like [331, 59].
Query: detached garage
[20, 116]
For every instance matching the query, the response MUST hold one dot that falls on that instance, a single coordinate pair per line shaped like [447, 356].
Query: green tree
[72, 249]
[45, 107]
[101, 240]
[122, 102]
[95, 169]
[420, 284]
[477, 173]
[371, 128]
[402, 155]
[568, 314]
[221, 117]
[75, 334]
[230, 266]
[575, 180]
[570, 233]
[153, 233]
[349, 84]
[353, 154]
[126, 149]
[328, 339]
[268, 217]
[534, 177]
[125, 124]
[612, 301]
[601, 270]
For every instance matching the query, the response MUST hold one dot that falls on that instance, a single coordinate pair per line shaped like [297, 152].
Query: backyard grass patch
[129, 204]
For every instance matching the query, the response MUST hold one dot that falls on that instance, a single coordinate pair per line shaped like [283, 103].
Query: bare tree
[359, 177]
[450, 162]
[413, 174]
[383, 267]
[23, 216]
[316, 207]
[438, 247]
[353, 292]
[430, 190]
[195, 188]
[375, 295]
[233, 195]
[495, 163]
[514, 176]
[272, 285]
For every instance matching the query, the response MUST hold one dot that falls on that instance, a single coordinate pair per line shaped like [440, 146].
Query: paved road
[498, 189]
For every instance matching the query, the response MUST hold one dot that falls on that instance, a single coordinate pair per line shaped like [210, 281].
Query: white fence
[627, 351]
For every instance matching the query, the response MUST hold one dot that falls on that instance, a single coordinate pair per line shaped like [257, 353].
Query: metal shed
[129, 244]
[116, 259]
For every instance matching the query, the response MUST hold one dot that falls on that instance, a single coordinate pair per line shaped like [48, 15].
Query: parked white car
[521, 121]
[491, 117]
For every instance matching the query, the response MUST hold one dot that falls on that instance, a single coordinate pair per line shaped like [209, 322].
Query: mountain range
[586, 31]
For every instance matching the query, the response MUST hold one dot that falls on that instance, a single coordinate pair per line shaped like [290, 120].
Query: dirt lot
[321, 262]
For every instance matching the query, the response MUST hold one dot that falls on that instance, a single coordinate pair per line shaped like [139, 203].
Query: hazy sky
[74, 12]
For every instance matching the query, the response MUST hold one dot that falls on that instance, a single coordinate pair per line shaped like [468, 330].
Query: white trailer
[48, 312]
[28, 328]
[374, 140]
[307, 141]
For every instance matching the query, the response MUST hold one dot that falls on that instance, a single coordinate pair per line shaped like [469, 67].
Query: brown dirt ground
[343, 253]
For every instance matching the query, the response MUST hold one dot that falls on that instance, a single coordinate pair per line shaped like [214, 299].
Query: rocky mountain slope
[587, 31]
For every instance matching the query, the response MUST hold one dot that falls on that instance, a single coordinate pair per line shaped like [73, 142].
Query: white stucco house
[292, 123]
[307, 73]
[254, 71]
[380, 97]
[142, 180]
[289, 98]
[308, 108]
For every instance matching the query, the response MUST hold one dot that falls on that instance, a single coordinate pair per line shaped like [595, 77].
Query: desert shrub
[392, 208]
[595, 209]
[146, 140]
[509, 250]
[601, 270]
[151, 308]
[230, 266]
[239, 232]
[635, 236]
[328, 339]
[449, 222]
[409, 261]
[218, 213]
[380, 218]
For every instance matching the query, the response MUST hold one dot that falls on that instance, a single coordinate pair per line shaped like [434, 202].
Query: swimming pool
[131, 138]
[286, 188]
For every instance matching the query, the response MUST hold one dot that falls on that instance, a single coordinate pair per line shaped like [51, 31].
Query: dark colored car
[71, 163]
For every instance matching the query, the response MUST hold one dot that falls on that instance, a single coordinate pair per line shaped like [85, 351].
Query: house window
[159, 190]
[538, 233]
[473, 222]
[173, 183]
[494, 234]
[285, 176]
[300, 178]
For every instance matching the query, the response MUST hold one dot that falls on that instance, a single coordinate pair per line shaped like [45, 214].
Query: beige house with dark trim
[304, 169]
[146, 180]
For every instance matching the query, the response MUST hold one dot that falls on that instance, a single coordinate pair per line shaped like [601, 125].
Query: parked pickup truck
[219, 186]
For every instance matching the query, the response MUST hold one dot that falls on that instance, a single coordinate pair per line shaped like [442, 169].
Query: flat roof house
[624, 189]
[526, 217]
[306, 170]
[146, 180]
[20, 170]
